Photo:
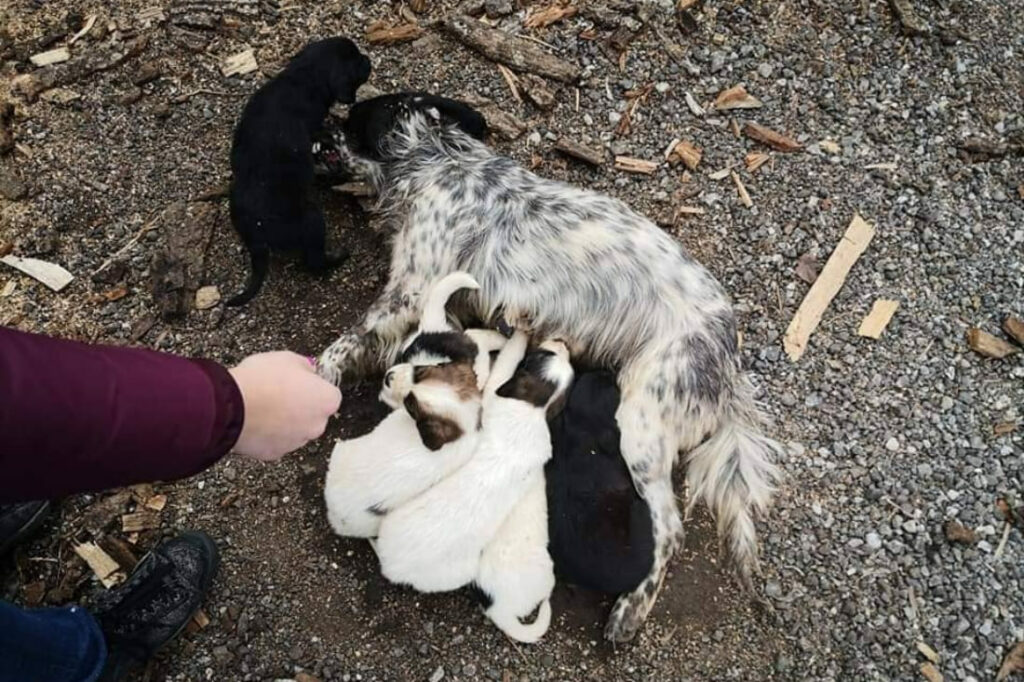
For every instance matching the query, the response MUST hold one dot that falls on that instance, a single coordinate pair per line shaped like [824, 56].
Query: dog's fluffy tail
[434, 318]
[260, 264]
[735, 474]
[510, 624]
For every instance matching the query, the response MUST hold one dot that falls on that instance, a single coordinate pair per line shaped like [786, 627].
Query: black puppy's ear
[528, 387]
[435, 432]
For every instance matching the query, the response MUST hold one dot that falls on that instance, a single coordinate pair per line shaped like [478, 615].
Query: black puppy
[272, 199]
[371, 121]
[600, 534]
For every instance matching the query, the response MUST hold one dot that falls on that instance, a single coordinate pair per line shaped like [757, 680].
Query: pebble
[873, 541]
[438, 674]
[893, 444]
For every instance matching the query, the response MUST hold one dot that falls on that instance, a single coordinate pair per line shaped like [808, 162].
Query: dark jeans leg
[50, 645]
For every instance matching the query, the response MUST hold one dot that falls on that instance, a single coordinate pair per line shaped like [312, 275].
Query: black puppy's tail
[260, 264]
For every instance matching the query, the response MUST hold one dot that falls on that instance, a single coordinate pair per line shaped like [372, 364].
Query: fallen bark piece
[207, 297]
[721, 174]
[84, 30]
[741, 190]
[106, 570]
[594, 157]
[931, 673]
[504, 125]
[1003, 428]
[511, 80]
[390, 35]
[980, 149]
[50, 274]
[736, 97]
[928, 652]
[807, 267]
[538, 91]
[755, 160]
[771, 138]
[631, 165]
[156, 503]
[1013, 663]
[139, 521]
[983, 343]
[239, 64]
[31, 85]
[958, 532]
[1014, 326]
[55, 56]
[689, 210]
[549, 15]
[856, 239]
[520, 54]
[908, 18]
[876, 321]
[687, 153]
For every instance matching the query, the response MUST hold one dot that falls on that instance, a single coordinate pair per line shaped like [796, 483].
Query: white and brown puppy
[434, 543]
[432, 432]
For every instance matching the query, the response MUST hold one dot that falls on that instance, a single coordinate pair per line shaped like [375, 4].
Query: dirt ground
[102, 158]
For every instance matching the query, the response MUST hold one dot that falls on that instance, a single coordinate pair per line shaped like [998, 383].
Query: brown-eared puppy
[273, 206]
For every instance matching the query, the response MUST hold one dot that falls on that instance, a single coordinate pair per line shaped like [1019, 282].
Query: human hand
[286, 404]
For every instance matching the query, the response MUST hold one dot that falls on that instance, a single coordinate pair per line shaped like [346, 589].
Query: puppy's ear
[435, 431]
[527, 387]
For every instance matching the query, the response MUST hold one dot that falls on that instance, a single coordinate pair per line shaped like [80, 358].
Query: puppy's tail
[260, 264]
[510, 624]
[434, 318]
[733, 471]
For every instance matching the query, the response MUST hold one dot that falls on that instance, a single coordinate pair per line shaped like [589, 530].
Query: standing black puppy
[272, 202]
[599, 529]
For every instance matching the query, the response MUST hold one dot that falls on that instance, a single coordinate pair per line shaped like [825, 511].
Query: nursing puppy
[432, 431]
[621, 293]
[272, 199]
[434, 543]
[601, 536]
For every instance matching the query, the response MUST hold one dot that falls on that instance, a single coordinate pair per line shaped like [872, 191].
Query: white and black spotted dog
[486, 523]
[432, 431]
[582, 267]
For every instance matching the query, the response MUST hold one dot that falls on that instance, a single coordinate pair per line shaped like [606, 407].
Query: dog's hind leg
[649, 448]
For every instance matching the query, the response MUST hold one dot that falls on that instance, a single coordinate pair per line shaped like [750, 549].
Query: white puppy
[435, 541]
[432, 432]
[516, 572]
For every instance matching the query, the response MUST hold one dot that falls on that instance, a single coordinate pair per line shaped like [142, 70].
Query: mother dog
[579, 266]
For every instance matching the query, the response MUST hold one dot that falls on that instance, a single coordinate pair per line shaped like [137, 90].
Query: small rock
[498, 8]
[893, 444]
[438, 674]
[207, 297]
[873, 541]
[765, 70]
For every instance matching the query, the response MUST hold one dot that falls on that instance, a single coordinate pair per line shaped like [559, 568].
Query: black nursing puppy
[272, 199]
[599, 529]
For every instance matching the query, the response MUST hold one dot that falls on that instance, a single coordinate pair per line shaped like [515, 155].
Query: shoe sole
[33, 524]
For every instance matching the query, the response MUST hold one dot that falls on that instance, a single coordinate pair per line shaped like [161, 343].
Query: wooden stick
[771, 138]
[105, 568]
[741, 190]
[594, 157]
[875, 322]
[502, 47]
[830, 281]
[631, 165]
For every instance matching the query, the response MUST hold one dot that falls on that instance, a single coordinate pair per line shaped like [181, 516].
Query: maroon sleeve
[76, 417]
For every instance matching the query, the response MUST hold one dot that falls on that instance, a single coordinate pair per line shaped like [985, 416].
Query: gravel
[885, 439]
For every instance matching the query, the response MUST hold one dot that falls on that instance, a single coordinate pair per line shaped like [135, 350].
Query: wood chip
[1014, 326]
[958, 532]
[594, 157]
[501, 123]
[931, 673]
[549, 15]
[755, 160]
[771, 138]
[928, 652]
[983, 343]
[539, 92]
[510, 80]
[695, 108]
[156, 503]
[829, 147]
[689, 210]
[736, 97]
[875, 322]
[908, 17]
[55, 56]
[518, 53]
[201, 619]
[632, 165]
[1003, 428]
[741, 190]
[239, 64]
[84, 30]
[1013, 663]
[103, 567]
[856, 239]
[721, 174]
[687, 153]
[139, 521]
[390, 35]
[50, 274]
[115, 294]
[207, 297]
[120, 552]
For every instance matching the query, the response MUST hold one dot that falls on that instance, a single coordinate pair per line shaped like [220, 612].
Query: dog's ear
[435, 431]
[528, 387]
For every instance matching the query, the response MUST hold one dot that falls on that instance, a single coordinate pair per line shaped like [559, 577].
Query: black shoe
[17, 521]
[156, 602]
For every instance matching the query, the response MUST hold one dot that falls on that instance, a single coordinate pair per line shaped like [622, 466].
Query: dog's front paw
[627, 616]
[327, 368]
